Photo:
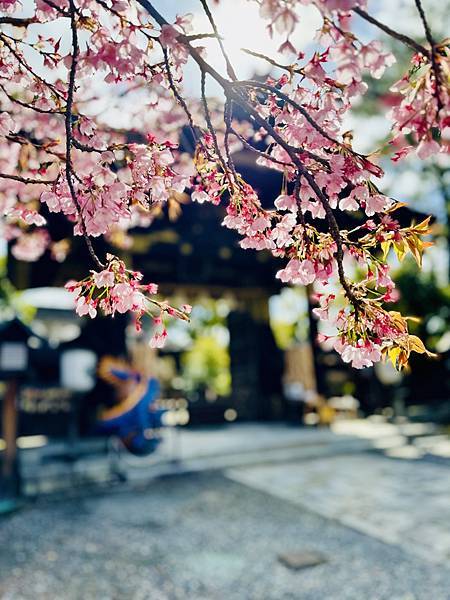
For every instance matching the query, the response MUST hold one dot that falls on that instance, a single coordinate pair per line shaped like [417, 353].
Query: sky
[241, 27]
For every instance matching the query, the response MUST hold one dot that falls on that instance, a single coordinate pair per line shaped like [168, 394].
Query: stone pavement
[200, 537]
[183, 450]
[403, 502]
[218, 447]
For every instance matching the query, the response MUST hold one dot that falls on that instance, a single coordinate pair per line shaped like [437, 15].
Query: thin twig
[434, 63]
[391, 32]
[228, 114]
[181, 101]
[297, 186]
[212, 131]
[290, 68]
[28, 180]
[230, 70]
[30, 106]
[23, 140]
[258, 152]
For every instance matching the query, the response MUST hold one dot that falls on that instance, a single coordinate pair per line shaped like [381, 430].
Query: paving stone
[301, 559]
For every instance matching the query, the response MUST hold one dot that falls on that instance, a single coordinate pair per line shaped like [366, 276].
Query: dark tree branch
[297, 186]
[16, 22]
[61, 11]
[228, 115]
[68, 127]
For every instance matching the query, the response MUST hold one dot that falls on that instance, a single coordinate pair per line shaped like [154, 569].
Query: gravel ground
[198, 537]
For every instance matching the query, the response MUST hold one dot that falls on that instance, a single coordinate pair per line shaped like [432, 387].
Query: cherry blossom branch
[316, 157]
[231, 93]
[30, 106]
[148, 6]
[299, 107]
[331, 219]
[68, 128]
[336, 235]
[432, 43]
[302, 170]
[230, 70]
[28, 179]
[16, 22]
[405, 39]
[103, 194]
[27, 67]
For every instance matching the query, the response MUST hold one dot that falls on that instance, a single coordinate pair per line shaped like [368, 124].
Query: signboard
[45, 400]
[13, 357]
[44, 410]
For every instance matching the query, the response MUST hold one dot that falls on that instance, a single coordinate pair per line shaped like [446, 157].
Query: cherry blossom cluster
[423, 112]
[92, 133]
[116, 289]
[423, 92]
[105, 197]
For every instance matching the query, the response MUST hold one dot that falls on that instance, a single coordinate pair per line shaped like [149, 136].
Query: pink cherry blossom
[285, 202]
[168, 35]
[158, 339]
[427, 148]
[104, 278]
[85, 307]
[31, 246]
[376, 203]
[106, 133]
[7, 124]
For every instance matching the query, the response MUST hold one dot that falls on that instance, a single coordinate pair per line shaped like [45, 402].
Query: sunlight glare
[241, 27]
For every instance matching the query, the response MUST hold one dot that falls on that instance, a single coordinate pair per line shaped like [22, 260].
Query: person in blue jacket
[135, 419]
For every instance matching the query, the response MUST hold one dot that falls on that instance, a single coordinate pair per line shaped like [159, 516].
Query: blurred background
[282, 448]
